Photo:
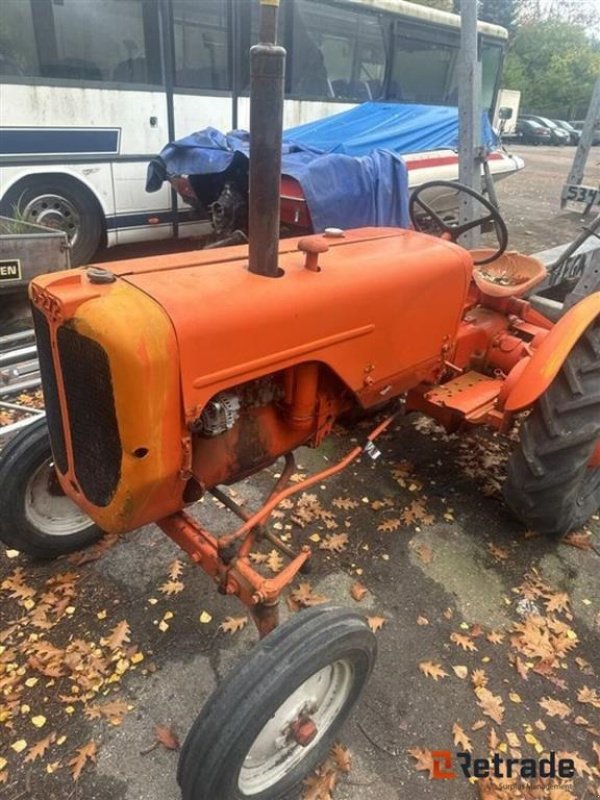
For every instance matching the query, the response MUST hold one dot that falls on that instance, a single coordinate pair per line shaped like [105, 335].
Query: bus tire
[60, 202]
[552, 485]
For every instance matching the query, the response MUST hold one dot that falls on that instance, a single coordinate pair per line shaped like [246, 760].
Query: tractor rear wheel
[553, 482]
[274, 718]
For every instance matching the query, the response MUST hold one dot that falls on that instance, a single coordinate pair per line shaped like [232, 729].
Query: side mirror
[505, 113]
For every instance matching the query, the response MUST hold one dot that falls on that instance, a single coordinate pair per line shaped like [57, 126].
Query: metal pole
[585, 142]
[267, 73]
[469, 117]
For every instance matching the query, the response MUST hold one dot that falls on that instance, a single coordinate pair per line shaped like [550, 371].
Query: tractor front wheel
[274, 718]
[37, 518]
[553, 482]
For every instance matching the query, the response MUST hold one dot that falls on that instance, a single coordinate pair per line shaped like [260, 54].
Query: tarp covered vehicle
[348, 170]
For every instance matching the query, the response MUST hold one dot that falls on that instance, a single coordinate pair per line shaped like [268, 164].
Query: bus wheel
[37, 518]
[61, 203]
[275, 716]
[553, 481]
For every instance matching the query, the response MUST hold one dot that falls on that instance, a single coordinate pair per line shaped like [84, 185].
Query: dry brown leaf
[358, 591]
[274, 561]
[464, 641]
[172, 587]
[167, 737]
[113, 711]
[84, 754]
[175, 569]
[558, 602]
[499, 553]
[490, 704]
[39, 748]
[258, 558]
[304, 597]
[493, 740]
[431, 670]
[596, 749]
[335, 543]
[422, 621]
[376, 623]
[479, 678]
[119, 635]
[389, 525]
[233, 624]
[423, 758]
[424, 552]
[554, 708]
[461, 671]
[341, 756]
[591, 696]
[320, 785]
[461, 739]
[345, 503]
[495, 637]
[581, 540]
[477, 726]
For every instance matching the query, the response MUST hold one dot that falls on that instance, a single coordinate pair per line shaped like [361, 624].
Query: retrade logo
[442, 765]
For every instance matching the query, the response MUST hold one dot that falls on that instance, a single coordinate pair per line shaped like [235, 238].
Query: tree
[554, 65]
[500, 12]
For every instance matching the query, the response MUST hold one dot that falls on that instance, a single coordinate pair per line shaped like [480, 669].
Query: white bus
[93, 89]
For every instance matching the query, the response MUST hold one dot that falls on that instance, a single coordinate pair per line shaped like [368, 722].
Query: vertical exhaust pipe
[267, 72]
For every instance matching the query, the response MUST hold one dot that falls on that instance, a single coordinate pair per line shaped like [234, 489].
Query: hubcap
[47, 509]
[54, 211]
[296, 727]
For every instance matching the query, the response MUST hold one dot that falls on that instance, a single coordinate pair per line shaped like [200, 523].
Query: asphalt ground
[444, 574]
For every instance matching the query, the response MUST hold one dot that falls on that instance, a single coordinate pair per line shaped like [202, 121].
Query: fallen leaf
[461, 739]
[320, 785]
[172, 587]
[341, 756]
[167, 737]
[37, 750]
[233, 624]
[423, 758]
[422, 621]
[345, 503]
[490, 704]
[304, 596]
[431, 670]
[175, 569]
[389, 525]
[463, 641]
[358, 591]
[119, 635]
[376, 623]
[555, 708]
[274, 561]
[335, 543]
[84, 754]
[461, 672]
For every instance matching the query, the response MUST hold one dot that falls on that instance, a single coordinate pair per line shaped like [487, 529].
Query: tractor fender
[547, 360]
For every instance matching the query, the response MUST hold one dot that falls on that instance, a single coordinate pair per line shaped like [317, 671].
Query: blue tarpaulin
[349, 166]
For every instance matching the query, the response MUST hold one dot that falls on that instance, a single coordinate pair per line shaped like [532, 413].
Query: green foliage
[500, 12]
[554, 65]
[442, 5]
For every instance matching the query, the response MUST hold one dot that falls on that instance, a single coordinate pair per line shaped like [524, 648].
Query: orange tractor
[168, 377]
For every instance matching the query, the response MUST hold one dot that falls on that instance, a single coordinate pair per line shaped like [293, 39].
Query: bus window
[491, 61]
[336, 53]
[424, 69]
[201, 44]
[80, 41]
[18, 53]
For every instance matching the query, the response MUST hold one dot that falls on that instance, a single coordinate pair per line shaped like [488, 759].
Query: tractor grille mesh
[92, 418]
[51, 402]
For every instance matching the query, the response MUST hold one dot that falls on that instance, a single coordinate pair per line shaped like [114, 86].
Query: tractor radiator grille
[57, 439]
[92, 418]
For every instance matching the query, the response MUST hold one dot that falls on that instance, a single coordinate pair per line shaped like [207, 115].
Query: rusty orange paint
[554, 349]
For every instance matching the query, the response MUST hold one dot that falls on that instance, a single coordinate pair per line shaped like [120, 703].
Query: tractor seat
[511, 275]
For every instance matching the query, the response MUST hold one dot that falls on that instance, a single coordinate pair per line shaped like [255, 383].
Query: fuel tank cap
[100, 275]
[334, 233]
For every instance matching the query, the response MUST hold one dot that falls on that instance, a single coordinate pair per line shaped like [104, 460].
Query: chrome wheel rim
[54, 211]
[51, 513]
[274, 752]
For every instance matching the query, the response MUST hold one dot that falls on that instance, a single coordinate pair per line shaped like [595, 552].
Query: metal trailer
[26, 250]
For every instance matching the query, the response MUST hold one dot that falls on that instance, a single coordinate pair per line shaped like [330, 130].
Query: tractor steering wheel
[453, 232]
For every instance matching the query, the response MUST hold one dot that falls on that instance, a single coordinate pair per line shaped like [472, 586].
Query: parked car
[574, 134]
[530, 132]
[557, 134]
[578, 125]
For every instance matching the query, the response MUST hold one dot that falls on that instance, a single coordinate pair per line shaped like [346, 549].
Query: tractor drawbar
[267, 72]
